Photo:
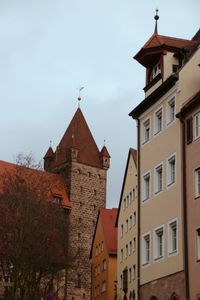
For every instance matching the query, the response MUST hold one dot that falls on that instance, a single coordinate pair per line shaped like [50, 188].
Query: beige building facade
[171, 78]
[126, 223]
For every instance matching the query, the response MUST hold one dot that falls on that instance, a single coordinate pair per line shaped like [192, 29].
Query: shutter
[189, 130]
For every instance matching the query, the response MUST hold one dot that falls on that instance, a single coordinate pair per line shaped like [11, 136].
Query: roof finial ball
[156, 17]
[79, 96]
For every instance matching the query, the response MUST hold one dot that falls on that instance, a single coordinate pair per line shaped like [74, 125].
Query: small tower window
[155, 71]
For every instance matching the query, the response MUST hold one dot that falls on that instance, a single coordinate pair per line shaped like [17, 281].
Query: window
[124, 203]
[126, 251]
[146, 249]
[130, 247]
[130, 274]
[131, 222]
[158, 179]
[134, 244]
[159, 243]
[198, 243]
[57, 199]
[131, 197]
[155, 71]
[122, 255]
[103, 287]
[171, 170]
[197, 182]
[125, 280]
[172, 235]
[146, 186]
[197, 125]
[127, 201]
[171, 111]
[121, 281]
[127, 225]
[133, 194]
[158, 121]
[134, 218]
[122, 230]
[146, 131]
[134, 272]
[104, 265]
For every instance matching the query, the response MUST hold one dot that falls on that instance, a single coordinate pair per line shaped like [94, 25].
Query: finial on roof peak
[156, 17]
[50, 143]
[79, 96]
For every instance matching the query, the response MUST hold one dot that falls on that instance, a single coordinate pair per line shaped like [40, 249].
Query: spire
[156, 17]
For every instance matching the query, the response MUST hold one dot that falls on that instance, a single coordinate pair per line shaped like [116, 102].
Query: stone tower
[84, 169]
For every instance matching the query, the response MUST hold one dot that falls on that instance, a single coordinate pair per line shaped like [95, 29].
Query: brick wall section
[87, 192]
[164, 288]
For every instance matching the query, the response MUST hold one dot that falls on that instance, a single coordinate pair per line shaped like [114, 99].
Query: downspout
[138, 213]
[185, 221]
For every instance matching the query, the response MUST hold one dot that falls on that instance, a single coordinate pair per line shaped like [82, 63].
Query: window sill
[146, 264]
[171, 184]
[173, 252]
[197, 197]
[158, 258]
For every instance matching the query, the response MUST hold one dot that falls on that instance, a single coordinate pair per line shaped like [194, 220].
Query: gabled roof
[78, 133]
[49, 153]
[53, 182]
[132, 152]
[159, 43]
[107, 217]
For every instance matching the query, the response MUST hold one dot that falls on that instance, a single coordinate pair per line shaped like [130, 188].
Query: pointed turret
[48, 158]
[105, 158]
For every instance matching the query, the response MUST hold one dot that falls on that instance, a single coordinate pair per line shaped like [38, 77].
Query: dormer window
[155, 71]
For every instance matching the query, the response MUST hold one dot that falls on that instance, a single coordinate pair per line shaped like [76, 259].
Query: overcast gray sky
[49, 48]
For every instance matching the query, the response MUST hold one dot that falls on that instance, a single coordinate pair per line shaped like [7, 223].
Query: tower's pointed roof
[78, 133]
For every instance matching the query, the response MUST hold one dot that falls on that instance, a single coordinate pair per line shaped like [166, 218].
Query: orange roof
[78, 136]
[108, 218]
[158, 43]
[54, 182]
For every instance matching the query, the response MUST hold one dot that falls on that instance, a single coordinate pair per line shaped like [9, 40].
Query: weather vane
[79, 95]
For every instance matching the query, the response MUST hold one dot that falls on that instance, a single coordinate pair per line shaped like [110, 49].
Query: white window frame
[158, 186]
[158, 244]
[131, 222]
[122, 230]
[145, 196]
[134, 272]
[126, 225]
[130, 247]
[126, 252]
[134, 218]
[103, 286]
[171, 120]
[146, 251]
[197, 125]
[170, 181]
[121, 255]
[130, 275]
[146, 134]
[197, 182]
[158, 122]
[171, 249]
[134, 244]
[198, 243]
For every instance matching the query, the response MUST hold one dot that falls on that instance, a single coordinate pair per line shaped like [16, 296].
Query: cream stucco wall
[125, 212]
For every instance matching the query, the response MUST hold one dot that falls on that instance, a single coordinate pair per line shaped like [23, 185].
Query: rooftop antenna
[156, 19]
[79, 95]
[50, 143]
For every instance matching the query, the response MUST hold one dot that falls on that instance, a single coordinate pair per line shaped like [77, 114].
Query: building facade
[171, 78]
[83, 167]
[190, 120]
[104, 256]
[126, 224]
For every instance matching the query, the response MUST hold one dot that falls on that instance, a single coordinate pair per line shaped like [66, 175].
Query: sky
[50, 48]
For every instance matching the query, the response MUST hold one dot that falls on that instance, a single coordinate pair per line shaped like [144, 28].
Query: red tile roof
[54, 182]
[158, 43]
[78, 136]
[108, 218]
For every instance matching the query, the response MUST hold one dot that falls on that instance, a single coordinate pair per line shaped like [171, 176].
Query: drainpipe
[185, 221]
[138, 213]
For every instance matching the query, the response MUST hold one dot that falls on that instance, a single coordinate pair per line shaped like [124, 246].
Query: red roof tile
[159, 43]
[55, 182]
[108, 218]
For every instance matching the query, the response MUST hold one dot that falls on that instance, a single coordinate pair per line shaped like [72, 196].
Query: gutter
[138, 212]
